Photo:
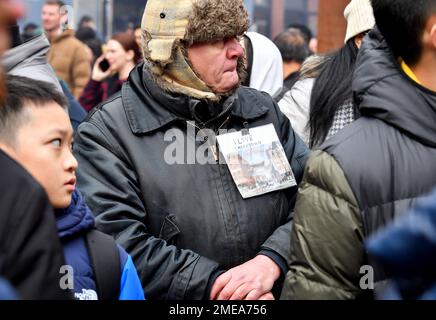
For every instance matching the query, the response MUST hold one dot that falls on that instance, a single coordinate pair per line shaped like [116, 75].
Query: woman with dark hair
[328, 104]
[331, 104]
[111, 70]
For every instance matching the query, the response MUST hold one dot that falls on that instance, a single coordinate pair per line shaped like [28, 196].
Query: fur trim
[167, 85]
[210, 20]
[216, 20]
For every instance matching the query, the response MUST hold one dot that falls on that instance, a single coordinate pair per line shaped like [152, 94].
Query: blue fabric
[407, 251]
[74, 219]
[73, 223]
[131, 288]
[75, 110]
[76, 256]
[6, 291]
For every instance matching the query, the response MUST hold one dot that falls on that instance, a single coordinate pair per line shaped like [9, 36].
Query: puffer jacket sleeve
[112, 191]
[297, 154]
[31, 254]
[327, 236]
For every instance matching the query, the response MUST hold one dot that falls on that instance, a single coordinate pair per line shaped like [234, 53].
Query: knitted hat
[171, 26]
[360, 18]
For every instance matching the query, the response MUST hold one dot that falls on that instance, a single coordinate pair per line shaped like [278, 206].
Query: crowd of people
[118, 183]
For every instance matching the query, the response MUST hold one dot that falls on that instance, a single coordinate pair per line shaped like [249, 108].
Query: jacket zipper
[213, 148]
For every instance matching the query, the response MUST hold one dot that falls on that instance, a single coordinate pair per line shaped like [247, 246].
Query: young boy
[28, 236]
[36, 132]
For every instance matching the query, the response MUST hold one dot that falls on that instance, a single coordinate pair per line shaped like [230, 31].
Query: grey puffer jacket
[362, 178]
[182, 224]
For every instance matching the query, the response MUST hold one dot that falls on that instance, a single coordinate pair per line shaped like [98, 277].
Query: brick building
[332, 24]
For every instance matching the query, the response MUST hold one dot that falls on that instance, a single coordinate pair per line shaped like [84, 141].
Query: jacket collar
[383, 90]
[65, 34]
[149, 108]
[74, 219]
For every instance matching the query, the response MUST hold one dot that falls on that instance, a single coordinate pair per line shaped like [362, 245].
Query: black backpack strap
[105, 260]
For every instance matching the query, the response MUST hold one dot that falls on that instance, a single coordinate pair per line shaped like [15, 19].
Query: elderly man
[150, 169]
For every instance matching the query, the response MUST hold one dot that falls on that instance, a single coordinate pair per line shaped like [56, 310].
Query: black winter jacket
[181, 223]
[363, 178]
[31, 255]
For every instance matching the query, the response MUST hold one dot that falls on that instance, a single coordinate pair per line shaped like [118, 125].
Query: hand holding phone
[101, 69]
[104, 65]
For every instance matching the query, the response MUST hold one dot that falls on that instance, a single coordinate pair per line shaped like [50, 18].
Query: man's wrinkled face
[51, 17]
[216, 63]
[43, 146]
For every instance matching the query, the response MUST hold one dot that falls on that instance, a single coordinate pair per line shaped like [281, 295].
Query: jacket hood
[267, 65]
[30, 60]
[382, 90]
[74, 219]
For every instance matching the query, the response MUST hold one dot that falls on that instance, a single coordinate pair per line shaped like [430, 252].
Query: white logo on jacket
[86, 295]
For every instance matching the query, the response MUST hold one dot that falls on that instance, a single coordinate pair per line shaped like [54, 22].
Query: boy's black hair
[292, 45]
[21, 93]
[402, 23]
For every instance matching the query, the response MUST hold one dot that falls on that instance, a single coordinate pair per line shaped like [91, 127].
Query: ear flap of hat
[161, 50]
[166, 23]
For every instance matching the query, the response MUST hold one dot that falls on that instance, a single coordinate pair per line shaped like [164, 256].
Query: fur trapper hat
[171, 26]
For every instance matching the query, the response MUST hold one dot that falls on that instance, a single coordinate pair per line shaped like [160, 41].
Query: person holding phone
[111, 70]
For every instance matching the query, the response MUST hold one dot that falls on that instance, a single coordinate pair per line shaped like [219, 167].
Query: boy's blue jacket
[73, 223]
[407, 252]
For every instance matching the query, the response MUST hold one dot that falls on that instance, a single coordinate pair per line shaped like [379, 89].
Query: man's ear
[433, 36]
[359, 39]
[430, 33]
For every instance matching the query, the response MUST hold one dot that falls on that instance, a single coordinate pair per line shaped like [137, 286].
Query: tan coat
[70, 61]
